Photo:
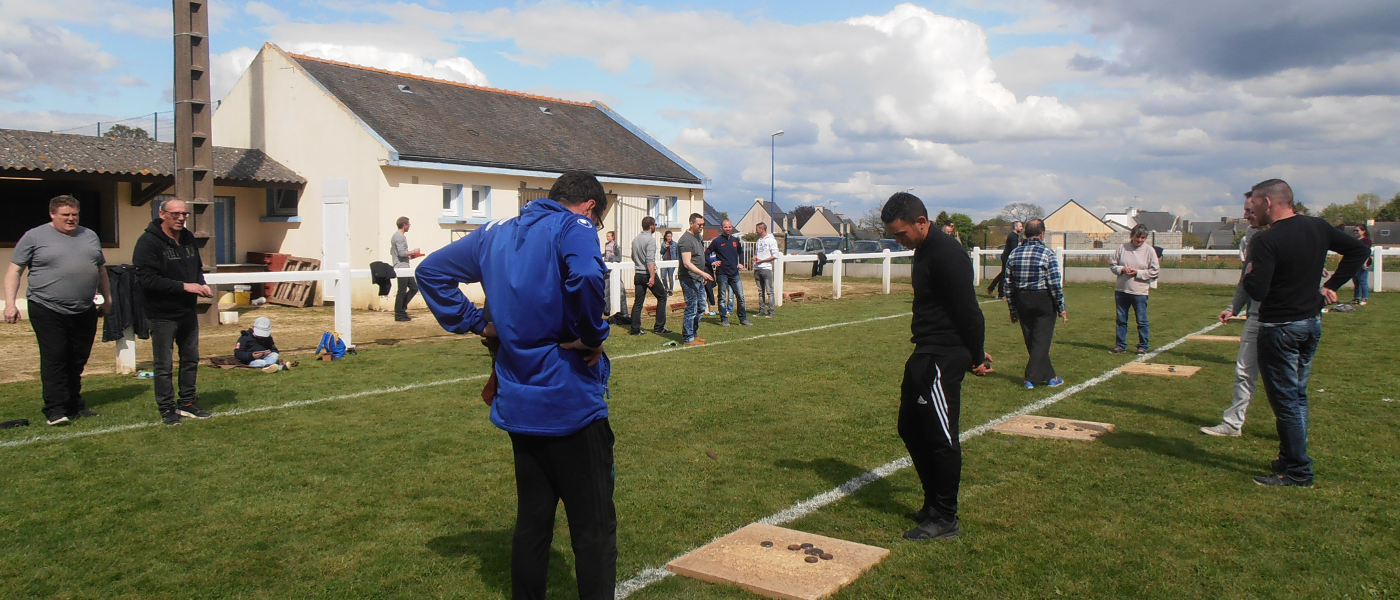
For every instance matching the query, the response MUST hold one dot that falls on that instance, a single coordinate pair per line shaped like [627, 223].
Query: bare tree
[802, 213]
[1021, 211]
[871, 220]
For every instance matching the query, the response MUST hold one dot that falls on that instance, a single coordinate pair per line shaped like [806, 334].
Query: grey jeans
[1246, 371]
[764, 279]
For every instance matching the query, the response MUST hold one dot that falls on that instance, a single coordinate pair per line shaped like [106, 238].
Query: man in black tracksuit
[948, 333]
[171, 276]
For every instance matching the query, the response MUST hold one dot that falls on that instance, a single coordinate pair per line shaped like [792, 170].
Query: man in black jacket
[1284, 265]
[948, 333]
[1013, 240]
[171, 276]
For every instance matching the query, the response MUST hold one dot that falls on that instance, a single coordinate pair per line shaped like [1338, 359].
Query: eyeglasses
[177, 215]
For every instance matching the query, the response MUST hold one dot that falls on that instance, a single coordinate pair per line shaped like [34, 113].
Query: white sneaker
[1221, 430]
[272, 368]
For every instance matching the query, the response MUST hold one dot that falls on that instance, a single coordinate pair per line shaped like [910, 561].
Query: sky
[973, 104]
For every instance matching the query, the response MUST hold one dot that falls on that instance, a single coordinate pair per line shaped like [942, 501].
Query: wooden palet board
[1053, 427]
[776, 572]
[1154, 369]
[296, 293]
[1237, 319]
[1201, 337]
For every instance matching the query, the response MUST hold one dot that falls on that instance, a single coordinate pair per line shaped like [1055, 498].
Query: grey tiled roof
[712, 216]
[1156, 221]
[448, 122]
[66, 153]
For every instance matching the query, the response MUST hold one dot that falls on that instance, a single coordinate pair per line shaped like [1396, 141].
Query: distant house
[779, 222]
[1385, 234]
[1074, 217]
[450, 156]
[1158, 221]
[1122, 221]
[1220, 239]
[713, 221]
[120, 183]
[824, 222]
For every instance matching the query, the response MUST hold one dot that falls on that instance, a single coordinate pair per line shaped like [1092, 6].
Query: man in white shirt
[765, 252]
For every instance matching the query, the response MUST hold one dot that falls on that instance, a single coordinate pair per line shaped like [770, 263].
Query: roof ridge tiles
[443, 81]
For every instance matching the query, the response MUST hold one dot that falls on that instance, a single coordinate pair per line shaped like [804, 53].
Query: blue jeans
[694, 306]
[1285, 360]
[730, 288]
[1362, 291]
[268, 360]
[1125, 300]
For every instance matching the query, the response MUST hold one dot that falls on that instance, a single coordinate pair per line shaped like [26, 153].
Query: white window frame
[481, 202]
[453, 203]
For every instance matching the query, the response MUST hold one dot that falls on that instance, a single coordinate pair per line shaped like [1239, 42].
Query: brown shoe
[695, 342]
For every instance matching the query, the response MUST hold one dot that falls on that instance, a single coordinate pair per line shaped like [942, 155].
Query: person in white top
[765, 251]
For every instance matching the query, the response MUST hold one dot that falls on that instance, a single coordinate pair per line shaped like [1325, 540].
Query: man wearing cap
[256, 348]
[66, 269]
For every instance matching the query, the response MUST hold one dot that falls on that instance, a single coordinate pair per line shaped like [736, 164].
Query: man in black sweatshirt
[948, 334]
[171, 276]
[1285, 263]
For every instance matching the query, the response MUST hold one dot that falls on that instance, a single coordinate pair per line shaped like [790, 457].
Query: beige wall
[1073, 217]
[278, 108]
[818, 225]
[756, 215]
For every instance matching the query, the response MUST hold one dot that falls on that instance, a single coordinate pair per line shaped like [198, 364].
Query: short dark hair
[903, 206]
[694, 216]
[1138, 230]
[400, 222]
[1035, 227]
[576, 187]
[1363, 229]
[61, 201]
[647, 222]
[762, 224]
[1277, 189]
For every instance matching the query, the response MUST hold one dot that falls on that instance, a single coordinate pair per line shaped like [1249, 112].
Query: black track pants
[929, 402]
[577, 469]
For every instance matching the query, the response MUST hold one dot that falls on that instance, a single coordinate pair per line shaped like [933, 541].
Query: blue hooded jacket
[543, 275]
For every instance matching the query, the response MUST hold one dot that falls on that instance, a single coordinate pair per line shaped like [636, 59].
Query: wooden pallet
[776, 572]
[1163, 370]
[296, 293]
[1237, 319]
[1234, 339]
[1053, 427]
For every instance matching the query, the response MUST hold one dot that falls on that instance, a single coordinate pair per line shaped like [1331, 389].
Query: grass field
[410, 493]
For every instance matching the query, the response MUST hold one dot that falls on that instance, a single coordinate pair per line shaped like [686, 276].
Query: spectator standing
[552, 372]
[1013, 240]
[1136, 265]
[646, 278]
[1036, 296]
[729, 260]
[256, 348]
[171, 276]
[1282, 273]
[66, 270]
[1361, 283]
[765, 252]
[1247, 359]
[613, 254]
[403, 257]
[948, 333]
[693, 279]
[668, 252]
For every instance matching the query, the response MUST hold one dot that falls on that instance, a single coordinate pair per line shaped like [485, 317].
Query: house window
[481, 201]
[281, 203]
[664, 210]
[451, 200]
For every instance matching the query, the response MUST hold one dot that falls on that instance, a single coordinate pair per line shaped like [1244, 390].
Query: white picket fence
[339, 279]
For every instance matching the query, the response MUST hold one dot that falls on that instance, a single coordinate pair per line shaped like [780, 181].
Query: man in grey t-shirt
[400, 255]
[66, 269]
[693, 278]
[646, 278]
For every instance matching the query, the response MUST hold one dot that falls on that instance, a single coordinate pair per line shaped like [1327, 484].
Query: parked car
[867, 247]
[832, 243]
[809, 245]
[892, 245]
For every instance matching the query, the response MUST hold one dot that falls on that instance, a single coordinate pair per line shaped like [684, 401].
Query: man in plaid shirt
[1036, 296]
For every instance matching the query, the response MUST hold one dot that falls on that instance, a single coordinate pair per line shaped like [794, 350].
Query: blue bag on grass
[331, 344]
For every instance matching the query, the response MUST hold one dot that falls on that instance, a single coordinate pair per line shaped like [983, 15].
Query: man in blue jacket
[544, 277]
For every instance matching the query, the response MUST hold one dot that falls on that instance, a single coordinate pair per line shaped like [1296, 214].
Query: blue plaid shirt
[1032, 266]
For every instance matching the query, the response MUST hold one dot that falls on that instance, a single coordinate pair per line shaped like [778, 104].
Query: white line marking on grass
[652, 575]
[403, 388]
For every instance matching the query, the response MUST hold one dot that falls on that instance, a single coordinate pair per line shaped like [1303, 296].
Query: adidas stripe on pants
[929, 403]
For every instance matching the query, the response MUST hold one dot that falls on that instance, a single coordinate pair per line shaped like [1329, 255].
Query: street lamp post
[772, 173]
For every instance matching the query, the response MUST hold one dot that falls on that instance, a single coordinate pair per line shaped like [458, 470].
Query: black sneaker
[84, 413]
[636, 332]
[402, 318]
[193, 411]
[170, 417]
[745, 323]
[918, 516]
[934, 529]
[724, 322]
[663, 331]
[1282, 480]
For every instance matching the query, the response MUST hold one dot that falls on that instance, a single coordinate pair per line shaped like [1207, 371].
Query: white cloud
[226, 68]
[34, 55]
[452, 69]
